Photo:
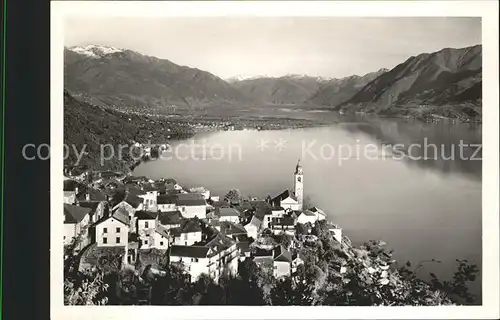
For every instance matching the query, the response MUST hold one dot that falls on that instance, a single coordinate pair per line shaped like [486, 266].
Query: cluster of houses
[194, 229]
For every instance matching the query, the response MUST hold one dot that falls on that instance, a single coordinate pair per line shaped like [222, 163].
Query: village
[202, 233]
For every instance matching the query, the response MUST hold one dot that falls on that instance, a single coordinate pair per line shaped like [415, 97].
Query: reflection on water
[422, 214]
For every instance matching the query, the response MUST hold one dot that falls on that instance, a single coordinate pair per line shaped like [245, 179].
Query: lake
[422, 208]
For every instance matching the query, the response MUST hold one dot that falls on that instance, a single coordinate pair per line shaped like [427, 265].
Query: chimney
[87, 196]
[76, 190]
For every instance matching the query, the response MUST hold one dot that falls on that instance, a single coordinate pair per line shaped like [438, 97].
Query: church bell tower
[299, 184]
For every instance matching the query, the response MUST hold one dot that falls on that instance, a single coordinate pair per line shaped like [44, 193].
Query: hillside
[131, 80]
[92, 126]
[337, 91]
[288, 89]
[445, 83]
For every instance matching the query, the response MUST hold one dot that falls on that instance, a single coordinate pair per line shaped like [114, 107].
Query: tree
[233, 196]
[89, 289]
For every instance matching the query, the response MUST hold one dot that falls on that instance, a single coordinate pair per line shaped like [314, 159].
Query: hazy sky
[328, 47]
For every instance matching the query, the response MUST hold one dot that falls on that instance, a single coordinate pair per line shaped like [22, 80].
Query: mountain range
[129, 79]
[447, 80]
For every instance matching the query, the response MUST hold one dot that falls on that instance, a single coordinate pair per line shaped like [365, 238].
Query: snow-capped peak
[242, 77]
[95, 51]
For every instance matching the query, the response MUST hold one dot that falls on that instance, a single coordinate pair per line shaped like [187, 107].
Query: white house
[224, 254]
[187, 234]
[282, 262]
[192, 205]
[253, 227]
[320, 214]
[218, 256]
[194, 259]
[76, 219]
[149, 198]
[167, 202]
[146, 221]
[285, 224]
[307, 217]
[228, 214]
[157, 238]
[112, 231]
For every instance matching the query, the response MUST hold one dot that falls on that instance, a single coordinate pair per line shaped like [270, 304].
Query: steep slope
[435, 81]
[290, 89]
[88, 127]
[129, 79]
[337, 91]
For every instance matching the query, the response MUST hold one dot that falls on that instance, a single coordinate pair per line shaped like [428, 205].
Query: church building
[292, 200]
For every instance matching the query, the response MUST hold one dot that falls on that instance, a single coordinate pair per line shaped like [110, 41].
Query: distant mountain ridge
[289, 89]
[127, 78]
[449, 77]
[337, 91]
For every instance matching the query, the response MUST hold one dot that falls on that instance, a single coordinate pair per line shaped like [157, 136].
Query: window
[185, 236]
[145, 241]
[161, 243]
[118, 230]
[146, 224]
[117, 239]
[185, 243]
[105, 230]
[64, 237]
[104, 240]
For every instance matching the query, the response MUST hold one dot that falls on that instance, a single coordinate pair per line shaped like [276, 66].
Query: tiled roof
[281, 254]
[244, 246]
[133, 200]
[146, 215]
[189, 251]
[94, 195]
[229, 228]
[221, 203]
[134, 189]
[121, 215]
[227, 212]
[317, 210]
[162, 231]
[308, 213]
[166, 199]
[92, 205]
[219, 243]
[74, 214]
[187, 226]
[170, 217]
[262, 253]
[70, 185]
[190, 199]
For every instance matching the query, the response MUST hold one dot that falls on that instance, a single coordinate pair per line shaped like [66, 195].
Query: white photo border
[488, 10]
